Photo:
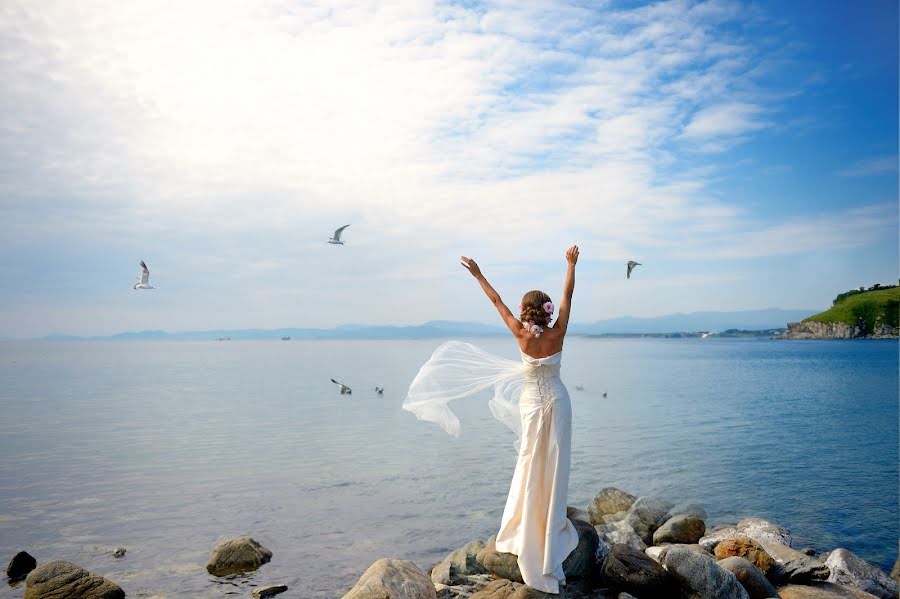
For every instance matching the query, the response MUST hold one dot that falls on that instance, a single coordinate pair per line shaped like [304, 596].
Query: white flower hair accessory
[534, 329]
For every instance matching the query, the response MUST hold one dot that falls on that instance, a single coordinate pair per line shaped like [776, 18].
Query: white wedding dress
[531, 399]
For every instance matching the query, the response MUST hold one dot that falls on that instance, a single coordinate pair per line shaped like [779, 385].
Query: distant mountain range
[747, 320]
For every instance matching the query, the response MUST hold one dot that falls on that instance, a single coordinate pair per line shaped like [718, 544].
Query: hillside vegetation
[868, 309]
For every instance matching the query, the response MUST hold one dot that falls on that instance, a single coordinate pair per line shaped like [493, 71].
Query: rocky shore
[629, 548]
[810, 329]
[645, 548]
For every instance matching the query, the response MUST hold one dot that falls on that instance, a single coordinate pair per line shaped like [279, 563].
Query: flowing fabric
[530, 398]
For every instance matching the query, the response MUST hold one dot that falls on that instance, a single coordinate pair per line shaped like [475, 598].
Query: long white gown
[529, 396]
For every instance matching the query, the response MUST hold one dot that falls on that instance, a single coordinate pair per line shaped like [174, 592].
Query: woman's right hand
[572, 255]
[471, 265]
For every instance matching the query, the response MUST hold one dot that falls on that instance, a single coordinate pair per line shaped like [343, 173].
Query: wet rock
[118, 552]
[630, 570]
[268, 591]
[241, 554]
[741, 546]
[793, 566]
[498, 589]
[647, 514]
[583, 558]
[764, 532]
[609, 500]
[63, 580]
[393, 579]
[20, 565]
[751, 578]
[685, 529]
[702, 577]
[853, 571]
[825, 590]
[460, 564]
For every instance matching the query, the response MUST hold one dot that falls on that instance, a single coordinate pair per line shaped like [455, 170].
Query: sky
[745, 153]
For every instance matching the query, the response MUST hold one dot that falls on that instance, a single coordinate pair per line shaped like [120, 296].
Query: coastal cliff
[859, 314]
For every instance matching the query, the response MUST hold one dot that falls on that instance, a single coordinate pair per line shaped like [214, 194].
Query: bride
[531, 399]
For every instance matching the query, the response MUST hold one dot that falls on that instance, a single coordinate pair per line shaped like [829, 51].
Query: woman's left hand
[471, 265]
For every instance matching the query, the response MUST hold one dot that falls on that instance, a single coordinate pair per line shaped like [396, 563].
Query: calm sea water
[166, 448]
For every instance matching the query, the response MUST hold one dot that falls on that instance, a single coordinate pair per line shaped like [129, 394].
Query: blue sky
[745, 152]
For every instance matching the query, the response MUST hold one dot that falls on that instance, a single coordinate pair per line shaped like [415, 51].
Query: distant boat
[286, 338]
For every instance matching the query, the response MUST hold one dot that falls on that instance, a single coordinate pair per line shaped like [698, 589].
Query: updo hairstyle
[533, 308]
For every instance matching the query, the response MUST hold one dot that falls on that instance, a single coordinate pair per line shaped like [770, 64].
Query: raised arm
[511, 320]
[565, 304]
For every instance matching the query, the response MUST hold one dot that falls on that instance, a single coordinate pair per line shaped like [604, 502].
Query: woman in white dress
[534, 526]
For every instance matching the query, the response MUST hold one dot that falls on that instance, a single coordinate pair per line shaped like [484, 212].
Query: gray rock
[764, 532]
[526, 592]
[618, 516]
[118, 552]
[576, 513]
[620, 532]
[716, 536]
[609, 500]
[63, 580]
[583, 558]
[498, 589]
[241, 554]
[501, 565]
[701, 577]
[688, 509]
[664, 550]
[647, 514]
[460, 564]
[20, 565]
[268, 591]
[625, 596]
[393, 579]
[685, 529]
[793, 566]
[751, 578]
[851, 570]
[634, 571]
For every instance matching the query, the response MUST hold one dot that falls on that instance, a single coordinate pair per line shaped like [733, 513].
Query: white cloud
[872, 166]
[725, 120]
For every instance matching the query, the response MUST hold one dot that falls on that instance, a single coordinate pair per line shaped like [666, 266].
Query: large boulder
[647, 514]
[822, 590]
[498, 589]
[663, 551]
[620, 532]
[764, 532]
[688, 509]
[701, 577]
[717, 535]
[751, 578]
[741, 546]
[234, 556]
[63, 580]
[794, 566]
[850, 570]
[685, 529]
[584, 557]
[20, 565]
[630, 570]
[393, 579]
[460, 564]
[609, 500]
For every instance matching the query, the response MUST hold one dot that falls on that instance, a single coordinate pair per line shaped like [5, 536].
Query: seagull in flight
[379, 390]
[631, 265]
[345, 390]
[337, 236]
[144, 282]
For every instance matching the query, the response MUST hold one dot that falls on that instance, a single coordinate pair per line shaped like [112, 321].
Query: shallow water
[166, 448]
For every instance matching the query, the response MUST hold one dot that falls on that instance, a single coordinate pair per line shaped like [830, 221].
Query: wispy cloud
[871, 166]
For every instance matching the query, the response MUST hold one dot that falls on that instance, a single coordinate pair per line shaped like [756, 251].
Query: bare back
[550, 342]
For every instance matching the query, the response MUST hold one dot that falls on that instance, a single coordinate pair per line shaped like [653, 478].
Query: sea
[166, 448]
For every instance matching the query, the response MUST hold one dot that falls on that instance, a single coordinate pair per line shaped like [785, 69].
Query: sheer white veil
[456, 370]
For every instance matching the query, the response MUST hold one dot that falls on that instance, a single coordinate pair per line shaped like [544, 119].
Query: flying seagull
[379, 390]
[337, 236]
[144, 282]
[631, 265]
[345, 390]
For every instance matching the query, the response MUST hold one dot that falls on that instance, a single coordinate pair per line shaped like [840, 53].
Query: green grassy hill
[875, 308]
